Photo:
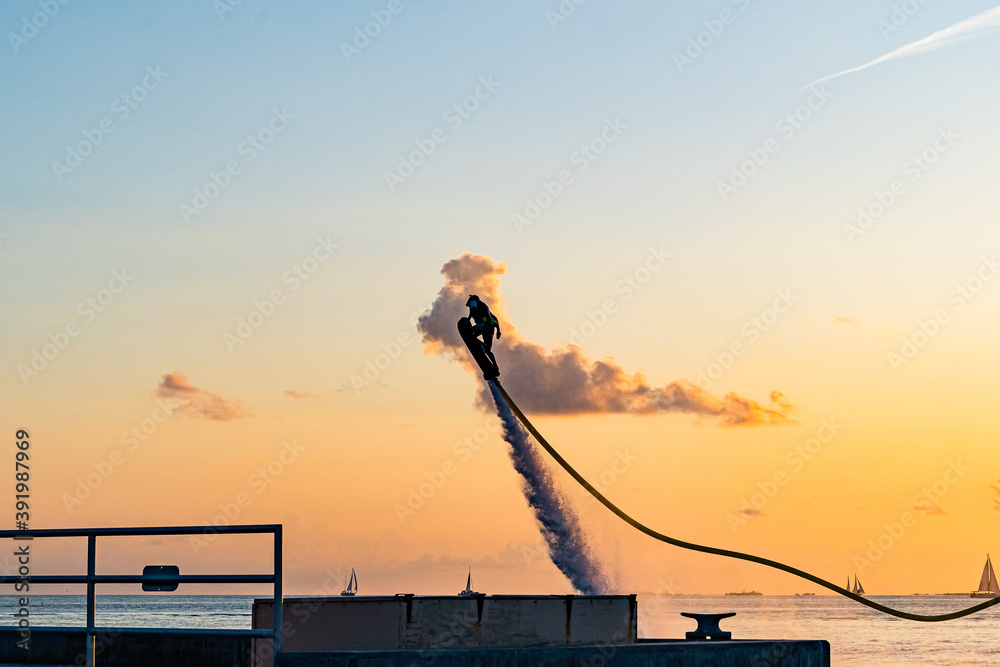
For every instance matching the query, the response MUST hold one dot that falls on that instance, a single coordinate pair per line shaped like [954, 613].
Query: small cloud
[750, 511]
[930, 510]
[298, 394]
[996, 487]
[371, 386]
[200, 403]
[846, 320]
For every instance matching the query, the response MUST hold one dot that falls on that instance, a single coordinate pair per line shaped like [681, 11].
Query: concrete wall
[66, 647]
[746, 653]
[373, 623]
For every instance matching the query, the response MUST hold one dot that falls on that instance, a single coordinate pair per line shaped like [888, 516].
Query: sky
[221, 223]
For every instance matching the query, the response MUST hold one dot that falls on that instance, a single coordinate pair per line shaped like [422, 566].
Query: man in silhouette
[484, 323]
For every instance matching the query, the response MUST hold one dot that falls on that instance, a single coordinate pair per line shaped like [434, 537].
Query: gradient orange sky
[171, 368]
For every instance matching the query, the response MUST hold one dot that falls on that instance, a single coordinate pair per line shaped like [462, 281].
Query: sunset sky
[222, 221]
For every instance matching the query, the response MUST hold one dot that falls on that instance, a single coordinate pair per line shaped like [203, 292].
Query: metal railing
[91, 579]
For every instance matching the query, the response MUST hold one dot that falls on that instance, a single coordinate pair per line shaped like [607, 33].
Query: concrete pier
[403, 630]
[386, 622]
[495, 631]
[66, 647]
[747, 653]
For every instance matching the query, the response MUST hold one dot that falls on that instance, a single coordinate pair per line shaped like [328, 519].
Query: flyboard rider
[484, 323]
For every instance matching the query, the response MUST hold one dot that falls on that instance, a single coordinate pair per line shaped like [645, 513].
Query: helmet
[472, 299]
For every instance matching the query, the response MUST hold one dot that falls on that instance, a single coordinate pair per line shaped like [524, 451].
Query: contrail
[559, 523]
[962, 30]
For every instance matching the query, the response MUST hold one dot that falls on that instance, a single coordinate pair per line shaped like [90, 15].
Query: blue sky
[342, 123]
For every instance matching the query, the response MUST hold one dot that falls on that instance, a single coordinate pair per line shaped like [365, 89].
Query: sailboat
[988, 587]
[468, 592]
[352, 586]
[858, 588]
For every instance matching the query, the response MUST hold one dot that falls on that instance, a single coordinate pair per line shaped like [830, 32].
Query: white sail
[468, 592]
[988, 587]
[352, 585]
[984, 581]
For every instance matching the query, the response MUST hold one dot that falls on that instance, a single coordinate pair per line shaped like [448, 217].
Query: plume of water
[559, 524]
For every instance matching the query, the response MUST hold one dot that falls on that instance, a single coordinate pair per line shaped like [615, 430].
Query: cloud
[564, 381]
[298, 394]
[930, 510]
[750, 511]
[845, 320]
[996, 487]
[200, 403]
[963, 30]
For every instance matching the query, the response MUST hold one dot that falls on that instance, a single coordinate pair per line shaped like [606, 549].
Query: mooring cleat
[708, 626]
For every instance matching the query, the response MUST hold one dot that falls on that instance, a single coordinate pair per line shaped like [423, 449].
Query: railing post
[91, 597]
[278, 605]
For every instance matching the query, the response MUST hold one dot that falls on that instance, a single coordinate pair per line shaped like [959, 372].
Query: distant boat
[468, 592]
[746, 593]
[352, 586]
[858, 588]
[988, 587]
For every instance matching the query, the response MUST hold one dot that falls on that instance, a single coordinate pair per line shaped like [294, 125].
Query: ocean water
[858, 635]
[229, 612]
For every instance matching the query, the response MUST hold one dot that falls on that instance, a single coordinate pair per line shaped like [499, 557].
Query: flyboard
[489, 368]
